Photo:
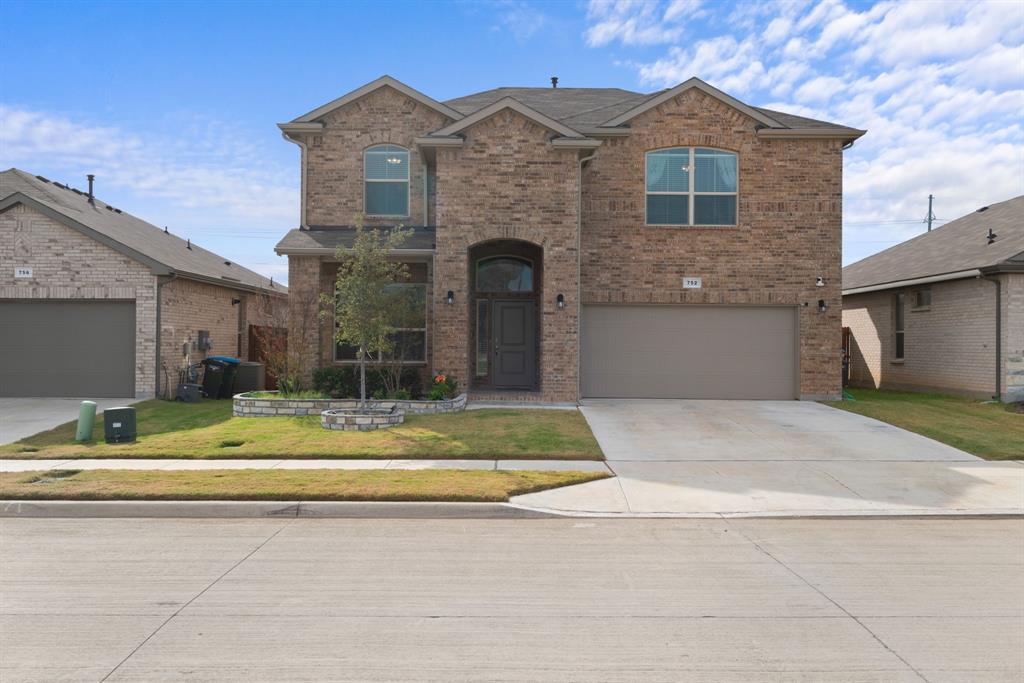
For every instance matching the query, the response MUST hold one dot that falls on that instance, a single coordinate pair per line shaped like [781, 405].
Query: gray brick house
[95, 302]
[587, 242]
[943, 311]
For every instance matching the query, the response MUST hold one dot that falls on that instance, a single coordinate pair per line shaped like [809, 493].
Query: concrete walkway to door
[775, 458]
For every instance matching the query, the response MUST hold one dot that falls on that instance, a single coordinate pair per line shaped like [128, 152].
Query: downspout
[302, 188]
[999, 334]
[579, 276]
[159, 328]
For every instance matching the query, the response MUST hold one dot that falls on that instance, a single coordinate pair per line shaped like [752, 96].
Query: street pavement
[499, 600]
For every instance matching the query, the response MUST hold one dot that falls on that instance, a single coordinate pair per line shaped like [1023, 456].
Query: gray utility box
[250, 376]
[119, 425]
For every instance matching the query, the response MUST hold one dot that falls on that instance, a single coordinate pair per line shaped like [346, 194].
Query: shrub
[343, 382]
[444, 387]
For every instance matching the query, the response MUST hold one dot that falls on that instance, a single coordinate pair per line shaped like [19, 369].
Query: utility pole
[931, 216]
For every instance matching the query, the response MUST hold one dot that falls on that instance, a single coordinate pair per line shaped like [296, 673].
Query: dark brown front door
[514, 344]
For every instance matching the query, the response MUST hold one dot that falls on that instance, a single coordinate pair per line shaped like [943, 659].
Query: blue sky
[174, 105]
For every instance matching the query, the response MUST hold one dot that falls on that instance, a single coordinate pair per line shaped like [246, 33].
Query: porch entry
[505, 281]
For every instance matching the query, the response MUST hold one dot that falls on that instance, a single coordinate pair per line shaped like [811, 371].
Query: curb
[263, 509]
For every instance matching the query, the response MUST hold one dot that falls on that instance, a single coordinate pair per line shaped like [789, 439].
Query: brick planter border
[361, 419]
[265, 406]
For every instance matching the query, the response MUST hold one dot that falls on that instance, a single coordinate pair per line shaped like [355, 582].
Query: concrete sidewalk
[775, 458]
[240, 464]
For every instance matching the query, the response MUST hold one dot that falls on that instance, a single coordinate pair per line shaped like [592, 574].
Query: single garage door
[67, 348]
[689, 352]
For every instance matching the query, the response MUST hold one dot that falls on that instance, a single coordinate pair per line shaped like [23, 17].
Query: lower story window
[898, 321]
[409, 338]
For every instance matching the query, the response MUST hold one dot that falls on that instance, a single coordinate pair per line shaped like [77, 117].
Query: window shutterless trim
[691, 192]
[424, 330]
[407, 181]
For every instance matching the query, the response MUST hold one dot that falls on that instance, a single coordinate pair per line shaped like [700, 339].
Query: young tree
[365, 306]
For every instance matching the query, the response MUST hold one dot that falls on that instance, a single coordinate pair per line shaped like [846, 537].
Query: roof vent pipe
[91, 178]
[554, 81]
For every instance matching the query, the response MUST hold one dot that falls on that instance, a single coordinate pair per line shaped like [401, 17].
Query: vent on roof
[227, 263]
[188, 243]
[90, 177]
[42, 178]
[554, 81]
[165, 231]
[984, 208]
[991, 236]
[117, 210]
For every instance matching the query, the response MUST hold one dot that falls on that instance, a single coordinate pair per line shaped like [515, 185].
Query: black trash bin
[213, 376]
[227, 383]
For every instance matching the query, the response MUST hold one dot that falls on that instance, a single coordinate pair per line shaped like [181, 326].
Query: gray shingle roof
[330, 237]
[132, 233]
[594, 106]
[957, 246]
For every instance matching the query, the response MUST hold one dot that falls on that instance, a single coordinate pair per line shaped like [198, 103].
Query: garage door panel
[689, 352]
[67, 348]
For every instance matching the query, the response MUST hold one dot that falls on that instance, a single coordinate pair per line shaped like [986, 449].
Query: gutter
[958, 275]
[999, 333]
[579, 275]
[302, 185]
[160, 282]
[328, 251]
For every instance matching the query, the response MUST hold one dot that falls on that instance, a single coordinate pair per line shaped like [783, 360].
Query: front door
[514, 341]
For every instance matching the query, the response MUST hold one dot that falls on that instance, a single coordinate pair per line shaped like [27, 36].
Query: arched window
[386, 181]
[504, 274]
[691, 186]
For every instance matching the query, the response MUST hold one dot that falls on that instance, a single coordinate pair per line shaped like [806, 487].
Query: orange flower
[440, 379]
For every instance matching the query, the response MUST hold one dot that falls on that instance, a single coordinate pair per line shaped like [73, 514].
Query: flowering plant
[444, 387]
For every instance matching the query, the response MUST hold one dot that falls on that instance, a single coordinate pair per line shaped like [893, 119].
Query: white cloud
[520, 19]
[939, 86]
[637, 22]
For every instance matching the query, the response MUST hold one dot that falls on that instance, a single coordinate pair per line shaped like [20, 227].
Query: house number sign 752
[691, 283]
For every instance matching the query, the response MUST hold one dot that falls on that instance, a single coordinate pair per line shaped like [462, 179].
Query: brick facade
[508, 182]
[949, 346]
[789, 228]
[68, 265]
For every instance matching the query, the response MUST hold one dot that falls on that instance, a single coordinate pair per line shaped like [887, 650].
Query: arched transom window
[386, 180]
[691, 186]
[504, 274]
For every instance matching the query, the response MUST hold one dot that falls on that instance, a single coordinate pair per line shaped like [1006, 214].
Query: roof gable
[144, 242]
[363, 91]
[666, 95]
[514, 105]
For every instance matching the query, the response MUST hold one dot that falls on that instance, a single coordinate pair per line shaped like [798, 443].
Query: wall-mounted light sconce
[560, 301]
[822, 306]
[450, 298]
[235, 302]
[820, 282]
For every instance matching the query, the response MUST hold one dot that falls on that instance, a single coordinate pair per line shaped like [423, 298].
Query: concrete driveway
[749, 458]
[21, 417]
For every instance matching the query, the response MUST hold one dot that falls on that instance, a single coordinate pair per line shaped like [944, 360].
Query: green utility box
[119, 425]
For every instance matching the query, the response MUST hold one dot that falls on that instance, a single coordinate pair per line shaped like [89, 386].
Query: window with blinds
[691, 186]
[386, 181]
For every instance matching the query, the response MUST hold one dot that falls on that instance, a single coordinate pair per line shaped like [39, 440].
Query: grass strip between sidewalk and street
[475, 486]
[207, 430]
[993, 431]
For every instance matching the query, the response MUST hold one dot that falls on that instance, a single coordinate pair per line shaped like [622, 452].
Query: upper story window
[386, 180]
[691, 186]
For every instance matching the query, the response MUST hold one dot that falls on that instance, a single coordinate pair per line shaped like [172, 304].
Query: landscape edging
[249, 406]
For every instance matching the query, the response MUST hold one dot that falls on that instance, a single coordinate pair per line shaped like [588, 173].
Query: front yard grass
[476, 486]
[989, 430]
[207, 430]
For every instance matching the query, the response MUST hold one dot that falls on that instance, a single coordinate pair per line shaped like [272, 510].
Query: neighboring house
[95, 302]
[586, 242]
[943, 311]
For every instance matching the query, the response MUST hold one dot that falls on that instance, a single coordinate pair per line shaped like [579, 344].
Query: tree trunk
[362, 378]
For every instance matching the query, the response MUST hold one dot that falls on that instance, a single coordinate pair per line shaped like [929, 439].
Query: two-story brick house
[587, 242]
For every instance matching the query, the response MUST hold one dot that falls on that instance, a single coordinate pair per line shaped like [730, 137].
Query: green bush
[343, 382]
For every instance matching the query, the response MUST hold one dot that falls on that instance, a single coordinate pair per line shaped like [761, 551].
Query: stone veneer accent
[361, 419]
[508, 182]
[248, 406]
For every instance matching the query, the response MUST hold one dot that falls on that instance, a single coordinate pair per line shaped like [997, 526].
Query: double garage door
[67, 348]
[697, 351]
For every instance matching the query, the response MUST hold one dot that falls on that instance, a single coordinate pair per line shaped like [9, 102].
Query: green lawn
[285, 485]
[207, 430]
[989, 430]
